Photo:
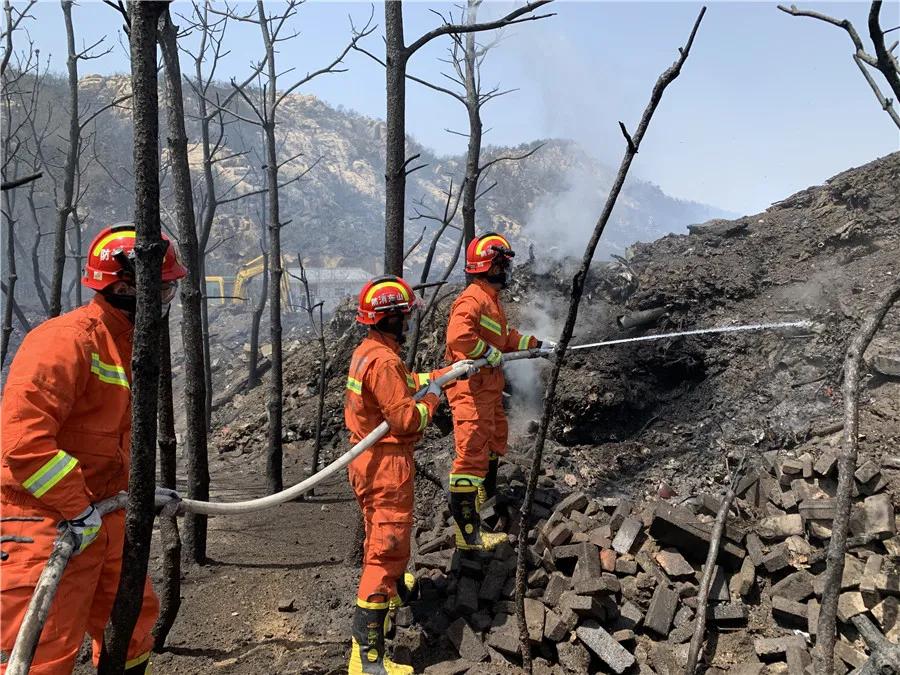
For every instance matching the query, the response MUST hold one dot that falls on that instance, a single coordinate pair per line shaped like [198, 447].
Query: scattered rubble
[612, 584]
[634, 457]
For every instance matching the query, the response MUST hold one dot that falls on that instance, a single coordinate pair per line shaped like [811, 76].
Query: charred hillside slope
[629, 416]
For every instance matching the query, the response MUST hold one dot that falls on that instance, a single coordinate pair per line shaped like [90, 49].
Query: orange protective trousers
[65, 444]
[379, 388]
[85, 597]
[478, 322]
[382, 479]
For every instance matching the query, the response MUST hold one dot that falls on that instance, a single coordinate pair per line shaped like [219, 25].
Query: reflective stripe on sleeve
[423, 378]
[109, 372]
[354, 385]
[423, 415]
[491, 325]
[523, 342]
[50, 474]
[410, 381]
[480, 346]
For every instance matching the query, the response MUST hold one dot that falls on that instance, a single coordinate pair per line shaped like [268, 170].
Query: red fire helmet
[383, 296]
[105, 263]
[483, 251]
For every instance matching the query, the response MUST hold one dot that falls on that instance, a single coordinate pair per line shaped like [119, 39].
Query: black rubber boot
[463, 507]
[367, 651]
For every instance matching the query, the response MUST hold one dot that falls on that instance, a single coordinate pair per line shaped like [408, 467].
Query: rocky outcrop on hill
[336, 212]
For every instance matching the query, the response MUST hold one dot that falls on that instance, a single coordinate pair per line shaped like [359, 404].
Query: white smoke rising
[561, 224]
[525, 375]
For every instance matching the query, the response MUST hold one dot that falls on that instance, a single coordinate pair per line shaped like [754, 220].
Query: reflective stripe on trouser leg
[139, 665]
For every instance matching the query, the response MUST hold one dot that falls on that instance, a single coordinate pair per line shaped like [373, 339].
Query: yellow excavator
[217, 286]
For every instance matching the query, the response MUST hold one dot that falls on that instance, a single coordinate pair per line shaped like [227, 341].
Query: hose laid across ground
[232, 508]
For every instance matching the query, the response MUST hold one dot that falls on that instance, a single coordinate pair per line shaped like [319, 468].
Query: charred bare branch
[628, 138]
[709, 568]
[511, 158]
[19, 182]
[13, 17]
[414, 245]
[514, 17]
[885, 62]
[826, 629]
[577, 290]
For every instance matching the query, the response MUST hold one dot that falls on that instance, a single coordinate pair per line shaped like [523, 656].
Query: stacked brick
[612, 585]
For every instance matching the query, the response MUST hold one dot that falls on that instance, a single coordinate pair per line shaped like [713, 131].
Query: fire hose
[226, 509]
[45, 590]
[64, 546]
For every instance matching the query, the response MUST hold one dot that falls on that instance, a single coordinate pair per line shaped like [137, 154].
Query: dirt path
[290, 556]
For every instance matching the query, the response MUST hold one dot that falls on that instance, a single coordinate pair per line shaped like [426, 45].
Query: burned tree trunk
[207, 359]
[578, 281]
[253, 373]
[191, 297]
[395, 141]
[64, 209]
[709, 569]
[319, 331]
[320, 405]
[473, 107]
[77, 255]
[11, 276]
[826, 629]
[37, 276]
[274, 455]
[170, 592]
[149, 252]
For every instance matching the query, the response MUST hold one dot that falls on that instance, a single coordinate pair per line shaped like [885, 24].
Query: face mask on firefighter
[500, 271]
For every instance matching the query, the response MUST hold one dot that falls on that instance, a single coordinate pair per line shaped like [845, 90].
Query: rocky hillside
[336, 211]
[644, 441]
[666, 409]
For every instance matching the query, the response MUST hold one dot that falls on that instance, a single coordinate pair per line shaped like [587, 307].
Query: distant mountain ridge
[336, 211]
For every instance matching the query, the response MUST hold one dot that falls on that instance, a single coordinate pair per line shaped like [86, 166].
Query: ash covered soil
[633, 424]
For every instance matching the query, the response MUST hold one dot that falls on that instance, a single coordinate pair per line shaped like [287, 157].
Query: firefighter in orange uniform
[66, 418]
[477, 329]
[379, 389]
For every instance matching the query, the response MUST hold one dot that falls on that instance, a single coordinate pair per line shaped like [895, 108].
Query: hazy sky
[766, 105]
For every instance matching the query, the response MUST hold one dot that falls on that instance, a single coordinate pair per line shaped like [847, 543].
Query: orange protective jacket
[66, 412]
[477, 320]
[379, 388]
